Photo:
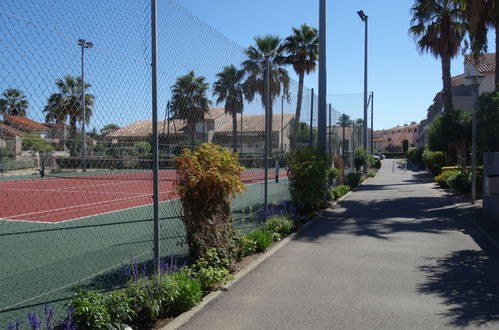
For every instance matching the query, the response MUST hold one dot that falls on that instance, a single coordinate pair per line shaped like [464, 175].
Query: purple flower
[34, 321]
[10, 326]
[18, 324]
[49, 313]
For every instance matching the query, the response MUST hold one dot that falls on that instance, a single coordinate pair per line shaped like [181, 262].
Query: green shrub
[353, 179]
[142, 148]
[246, 246]
[262, 239]
[461, 181]
[371, 173]
[339, 191]
[443, 178]
[334, 173]
[279, 224]
[35, 142]
[208, 179]
[189, 293]
[211, 269]
[361, 157]
[144, 298]
[90, 311]
[4, 153]
[118, 305]
[434, 161]
[376, 162]
[416, 157]
[308, 175]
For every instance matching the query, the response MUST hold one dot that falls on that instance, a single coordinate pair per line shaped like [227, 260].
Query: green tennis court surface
[46, 263]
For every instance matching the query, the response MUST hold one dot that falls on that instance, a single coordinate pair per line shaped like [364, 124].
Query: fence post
[268, 131]
[155, 162]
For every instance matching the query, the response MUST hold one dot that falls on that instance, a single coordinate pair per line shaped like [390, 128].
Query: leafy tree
[108, 127]
[302, 48]
[35, 142]
[229, 88]
[487, 122]
[67, 105]
[405, 146]
[438, 28]
[142, 148]
[13, 103]
[189, 101]
[481, 15]
[451, 132]
[344, 121]
[266, 47]
[304, 133]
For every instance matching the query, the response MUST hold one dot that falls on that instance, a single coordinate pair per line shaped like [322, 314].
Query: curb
[186, 316]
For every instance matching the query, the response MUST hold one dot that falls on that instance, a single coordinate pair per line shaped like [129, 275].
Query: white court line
[103, 213]
[84, 205]
[73, 191]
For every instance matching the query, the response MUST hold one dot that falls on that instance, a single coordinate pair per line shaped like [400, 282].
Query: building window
[415, 130]
[389, 140]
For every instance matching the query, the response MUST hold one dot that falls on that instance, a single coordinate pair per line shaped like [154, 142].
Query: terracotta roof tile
[256, 123]
[486, 63]
[11, 130]
[26, 122]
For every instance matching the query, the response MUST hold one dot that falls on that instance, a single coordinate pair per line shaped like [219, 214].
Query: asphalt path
[395, 254]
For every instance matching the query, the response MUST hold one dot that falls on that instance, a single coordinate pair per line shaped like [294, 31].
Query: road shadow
[382, 218]
[468, 282]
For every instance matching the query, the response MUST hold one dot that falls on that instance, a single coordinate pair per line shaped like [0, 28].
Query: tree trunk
[270, 128]
[447, 82]
[296, 124]
[73, 136]
[234, 131]
[343, 147]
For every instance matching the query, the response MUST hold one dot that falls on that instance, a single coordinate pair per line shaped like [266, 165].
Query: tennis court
[80, 195]
[46, 257]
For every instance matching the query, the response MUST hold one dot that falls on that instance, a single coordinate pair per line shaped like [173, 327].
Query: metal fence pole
[322, 106]
[154, 94]
[330, 133]
[268, 131]
[311, 142]
[372, 128]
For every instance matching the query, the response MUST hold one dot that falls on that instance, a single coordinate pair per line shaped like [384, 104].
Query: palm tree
[229, 88]
[344, 121]
[480, 15]
[438, 28]
[13, 103]
[189, 101]
[266, 47]
[67, 105]
[303, 52]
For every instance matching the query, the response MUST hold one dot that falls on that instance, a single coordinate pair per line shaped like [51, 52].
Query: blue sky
[404, 82]
[39, 45]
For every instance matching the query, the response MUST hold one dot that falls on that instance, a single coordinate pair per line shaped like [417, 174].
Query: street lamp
[474, 81]
[83, 44]
[363, 17]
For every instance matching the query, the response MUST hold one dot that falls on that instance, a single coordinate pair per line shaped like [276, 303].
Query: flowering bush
[208, 179]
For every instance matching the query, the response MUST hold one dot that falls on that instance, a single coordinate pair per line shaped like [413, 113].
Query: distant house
[251, 133]
[11, 138]
[216, 127]
[394, 137]
[26, 125]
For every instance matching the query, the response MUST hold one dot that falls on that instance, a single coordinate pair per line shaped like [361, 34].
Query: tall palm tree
[302, 48]
[229, 88]
[438, 28]
[13, 103]
[66, 105]
[270, 47]
[344, 121]
[481, 15]
[189, 101]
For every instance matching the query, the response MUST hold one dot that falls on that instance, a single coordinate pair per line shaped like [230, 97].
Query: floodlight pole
[267, 135]
[155, 162]
[364, 18]
[322, 106]
[330, 134]
[372, 128]
[83, 44]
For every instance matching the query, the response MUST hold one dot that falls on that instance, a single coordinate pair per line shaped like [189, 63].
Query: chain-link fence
[77, 142]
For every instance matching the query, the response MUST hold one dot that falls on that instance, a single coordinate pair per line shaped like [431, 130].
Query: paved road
[395, 255]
